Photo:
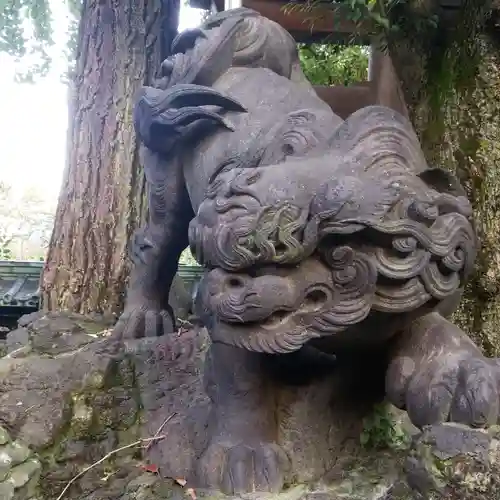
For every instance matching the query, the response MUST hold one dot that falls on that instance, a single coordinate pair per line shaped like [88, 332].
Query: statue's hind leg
[437, 374]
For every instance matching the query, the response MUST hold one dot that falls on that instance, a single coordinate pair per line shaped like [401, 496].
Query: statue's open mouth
[270, 298]
[278, 310]
[276, 318]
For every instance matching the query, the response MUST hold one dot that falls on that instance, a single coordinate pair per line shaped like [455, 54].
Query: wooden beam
[346, 100]
[200, 4]
[206, 4]
[320, 23]
[386, 86]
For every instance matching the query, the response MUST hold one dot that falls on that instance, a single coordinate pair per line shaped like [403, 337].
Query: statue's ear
[442, 181]
[376, 137]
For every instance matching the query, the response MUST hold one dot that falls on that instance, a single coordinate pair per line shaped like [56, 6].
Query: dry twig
[151, 441]
[103, 459]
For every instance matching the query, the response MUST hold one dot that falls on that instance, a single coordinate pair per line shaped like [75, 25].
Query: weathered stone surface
[19, 471]
[20, 476]
[6, 491]
[18, 452]
[17, 338]
[5, 464]
[52, 333]
[72, 408]
[4, 436]
[452, 461]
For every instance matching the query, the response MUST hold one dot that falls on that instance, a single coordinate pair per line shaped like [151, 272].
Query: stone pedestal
[70, 396]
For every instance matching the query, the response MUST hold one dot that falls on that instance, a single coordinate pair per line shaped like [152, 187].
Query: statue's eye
[288, 149]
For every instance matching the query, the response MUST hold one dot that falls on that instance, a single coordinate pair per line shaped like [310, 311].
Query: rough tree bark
[467, 141]
[102, 200]
[473, 150]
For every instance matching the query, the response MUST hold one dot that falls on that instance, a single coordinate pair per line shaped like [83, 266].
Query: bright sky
[33, 119]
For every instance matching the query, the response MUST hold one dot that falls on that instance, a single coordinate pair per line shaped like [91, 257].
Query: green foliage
[187, 258]
[334, 64]
[27, 30]
[448, 48]
[372, 13]
[25, 224]
[13, 15]
[74, 7]
[6, 253]
[381, 430]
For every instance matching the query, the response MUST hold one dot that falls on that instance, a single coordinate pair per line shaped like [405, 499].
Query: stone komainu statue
[318, 235]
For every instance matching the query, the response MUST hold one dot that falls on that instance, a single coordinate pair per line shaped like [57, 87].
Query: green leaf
[334, 64]
[364, 438]
[26, 34]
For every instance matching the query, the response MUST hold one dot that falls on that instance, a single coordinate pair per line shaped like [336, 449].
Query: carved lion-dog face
[311, 246]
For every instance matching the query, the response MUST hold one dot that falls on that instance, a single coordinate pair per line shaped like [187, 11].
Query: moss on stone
[453, 462]
[95, 414]
[4, 436]
[19, 469]
[382, 430]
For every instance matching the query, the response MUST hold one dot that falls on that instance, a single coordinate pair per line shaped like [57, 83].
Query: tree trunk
[102, 200]
[474, 144]
[466, 142]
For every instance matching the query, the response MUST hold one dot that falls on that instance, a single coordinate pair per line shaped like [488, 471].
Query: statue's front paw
[454, 388]
[243, 468]
[142, 321]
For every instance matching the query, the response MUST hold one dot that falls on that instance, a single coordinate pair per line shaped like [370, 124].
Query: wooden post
[346, 100]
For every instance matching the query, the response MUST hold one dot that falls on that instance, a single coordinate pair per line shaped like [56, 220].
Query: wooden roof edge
[206, 4]
[331, 19]
[313, 25]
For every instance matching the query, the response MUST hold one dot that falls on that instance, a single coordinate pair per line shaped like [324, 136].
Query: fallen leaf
[181, 481]
[191, 493]
[150, 468]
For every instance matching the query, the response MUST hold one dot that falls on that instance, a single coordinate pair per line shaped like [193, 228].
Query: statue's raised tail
[240, 37]
[162, 117]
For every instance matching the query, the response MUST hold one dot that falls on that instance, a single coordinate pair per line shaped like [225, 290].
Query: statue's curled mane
[392, 240]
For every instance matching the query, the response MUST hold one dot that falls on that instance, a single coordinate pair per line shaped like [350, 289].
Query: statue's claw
[437, 374]
[242, 468]
[143, 321]
[457, 389]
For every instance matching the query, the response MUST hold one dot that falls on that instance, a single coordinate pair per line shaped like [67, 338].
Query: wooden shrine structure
[329, 24]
